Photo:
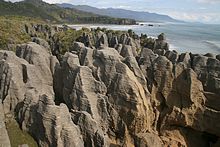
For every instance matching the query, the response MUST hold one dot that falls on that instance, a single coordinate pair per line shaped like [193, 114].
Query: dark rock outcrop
[208, 71]
[218, 57]
[161, 43]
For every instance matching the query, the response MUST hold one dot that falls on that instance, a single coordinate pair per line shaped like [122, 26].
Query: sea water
[182, 37]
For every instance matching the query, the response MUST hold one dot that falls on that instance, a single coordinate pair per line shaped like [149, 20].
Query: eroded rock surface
[109, 90]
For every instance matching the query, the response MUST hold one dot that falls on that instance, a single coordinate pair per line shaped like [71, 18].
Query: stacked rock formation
[111, 94]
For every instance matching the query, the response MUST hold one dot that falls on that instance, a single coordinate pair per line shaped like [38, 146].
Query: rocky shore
[109, 89]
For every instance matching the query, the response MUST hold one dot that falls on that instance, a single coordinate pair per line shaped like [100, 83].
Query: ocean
[182, 37]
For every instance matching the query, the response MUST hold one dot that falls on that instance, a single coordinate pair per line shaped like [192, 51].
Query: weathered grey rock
[131, 62]
[84, 95]
[51, 125]
[147, 56]
[113, 42]
[69, 64]
[126, 51]
[38, 56]
[119, 48]
[53, 64]
[110, 36]
[135, 103]
[172, 56]
[161, 43]
[181, 97]
[210, 55]
[123, 38]
[36, 30]
[25, 81]
[107, 54]
[41, 42]
[77, 46]
[87, 40]
[208, 71]
[103, 41]
[103, 119]
[162, 73]
[145, 62]
[18, 77]
[135, 44]
[93, 135]
[185, 58]
[199, 66]
[71, 60]
[161, 37]
[115, 97]
[79, 97]
[85, 54]
[160, 52]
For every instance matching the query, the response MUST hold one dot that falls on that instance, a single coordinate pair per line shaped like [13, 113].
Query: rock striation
[112, 90]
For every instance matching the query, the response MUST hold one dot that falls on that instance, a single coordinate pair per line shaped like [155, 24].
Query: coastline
[182, 40]
[125, 85]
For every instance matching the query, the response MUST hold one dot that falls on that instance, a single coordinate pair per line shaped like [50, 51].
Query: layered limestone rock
[24, 82]
[208, 71]
[124, 90]
[110, 91]
[41, 42]
[49, 124]
[19, 78]
[180, 102]
[114, 111]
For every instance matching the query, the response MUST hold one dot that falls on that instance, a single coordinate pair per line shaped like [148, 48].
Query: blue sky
[207, 11]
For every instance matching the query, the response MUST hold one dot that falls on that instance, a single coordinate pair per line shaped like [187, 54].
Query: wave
[108, 26]
[173, 47]
[213, 44]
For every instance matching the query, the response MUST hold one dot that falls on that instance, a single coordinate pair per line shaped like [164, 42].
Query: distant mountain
[54, 13]
[122, 13]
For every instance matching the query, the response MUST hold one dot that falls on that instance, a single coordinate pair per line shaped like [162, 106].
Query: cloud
[209, 1]
[196, 16]
[123, 7]
[57, 1]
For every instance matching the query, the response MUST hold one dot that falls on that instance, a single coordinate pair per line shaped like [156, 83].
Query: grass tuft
[17, 136]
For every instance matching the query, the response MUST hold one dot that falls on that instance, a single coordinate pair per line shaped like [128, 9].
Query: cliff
[110, 89]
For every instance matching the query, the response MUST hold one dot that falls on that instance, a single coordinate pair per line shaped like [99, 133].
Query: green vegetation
[65, 39]
[12, 31]
[17, 136]
[18, 29]
[55, 14]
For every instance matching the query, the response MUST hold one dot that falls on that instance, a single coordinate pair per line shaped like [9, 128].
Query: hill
[122, 13]
[55, 14]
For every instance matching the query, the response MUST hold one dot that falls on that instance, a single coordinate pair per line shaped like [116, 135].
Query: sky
[206, 11]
